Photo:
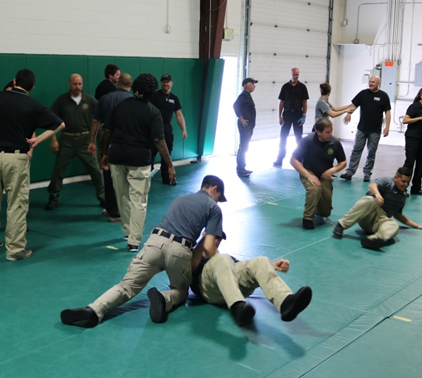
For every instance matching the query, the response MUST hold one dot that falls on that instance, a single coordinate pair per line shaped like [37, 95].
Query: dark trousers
[110, 195]
[289, 118]
[414, 160]
[245, 135]
[169, 138]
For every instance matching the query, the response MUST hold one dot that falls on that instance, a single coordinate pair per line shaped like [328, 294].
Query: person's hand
[314, 180]
[379, 200]
[54, 147]
[184, 135]
[245, 122]
[327, 174]
[386, 132]
[104, 163]
[280, 120]
[302, 119]
[92, 149]
[172, 175]
[347, 119]
[282, 265]
[29, 153]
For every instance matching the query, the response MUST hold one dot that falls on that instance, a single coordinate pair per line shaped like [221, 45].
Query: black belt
[178, 239]
[12, 151]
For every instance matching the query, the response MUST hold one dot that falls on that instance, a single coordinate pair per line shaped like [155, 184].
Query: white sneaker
[20, 255]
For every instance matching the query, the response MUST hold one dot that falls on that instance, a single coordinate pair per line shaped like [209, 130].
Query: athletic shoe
[346, 176]
[157, 308]
[242, 312]
[20, 255]
[338, 231]
[374, 244]
[51, 205]
[366, 178]
[295, 303]
[115, 220]
[308, 224]
[82, 317]
[132, 247]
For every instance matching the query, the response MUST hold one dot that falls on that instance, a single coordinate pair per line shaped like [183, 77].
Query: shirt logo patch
[171, 101]
[330, 151]
[85, 106]
[377, 98]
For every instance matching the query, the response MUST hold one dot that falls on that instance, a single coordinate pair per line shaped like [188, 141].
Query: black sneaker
[157, 308]
[242, 312]
[338, 231]
[308, 224]
[374, 244]
[295, 303]
[132, 248]
[51, 205]
[346, 177]
[278, 164]
[82, 317]
[366, 178]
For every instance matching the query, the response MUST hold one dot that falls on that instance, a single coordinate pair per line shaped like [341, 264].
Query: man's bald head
[75, 84]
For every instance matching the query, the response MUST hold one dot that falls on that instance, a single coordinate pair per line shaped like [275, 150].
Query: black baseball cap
[166, 77]
[215, 181]
[249, 80]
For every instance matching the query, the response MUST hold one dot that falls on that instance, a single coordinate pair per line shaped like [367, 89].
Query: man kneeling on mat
[225, 280]
[385, 199]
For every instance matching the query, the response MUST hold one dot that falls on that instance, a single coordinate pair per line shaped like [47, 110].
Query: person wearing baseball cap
[244, 108]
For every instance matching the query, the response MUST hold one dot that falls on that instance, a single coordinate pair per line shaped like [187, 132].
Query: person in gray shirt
[168, 248]
[386, 198]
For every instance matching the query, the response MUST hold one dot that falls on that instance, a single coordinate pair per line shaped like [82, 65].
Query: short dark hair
[325, 88]
[8, 85]
[110, 69]
[404, 171]
[322, 123]
[144, 86]
[25, 79]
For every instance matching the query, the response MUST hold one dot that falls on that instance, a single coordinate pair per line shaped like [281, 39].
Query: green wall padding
[211, 102]
[52, 75]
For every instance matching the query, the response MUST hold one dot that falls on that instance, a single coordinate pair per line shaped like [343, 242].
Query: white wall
[352, 61]
[100, 27]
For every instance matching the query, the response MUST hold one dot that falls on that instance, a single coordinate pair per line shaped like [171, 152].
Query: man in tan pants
[313, 159]
[225, 280]
[386, 198]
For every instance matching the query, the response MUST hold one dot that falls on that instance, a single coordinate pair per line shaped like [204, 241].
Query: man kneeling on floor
[313, 159]
[225, 280]
[168, 248]
[386, 198]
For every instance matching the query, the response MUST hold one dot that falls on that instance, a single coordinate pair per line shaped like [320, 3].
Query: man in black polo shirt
[291, 111]
[133, 126]
[168, 104]
[20, 115]
[76, 108]
[108, 85]
[313, 159]
[244, 107]
[386, 198]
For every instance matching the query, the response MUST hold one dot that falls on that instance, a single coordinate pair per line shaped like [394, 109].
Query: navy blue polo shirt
[394, 199]
[318, 156]
[244, 106]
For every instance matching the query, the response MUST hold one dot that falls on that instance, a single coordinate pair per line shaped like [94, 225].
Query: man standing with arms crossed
[168, 103]
[244, 107]
[20, 115]
[292, 111]
[373, 103]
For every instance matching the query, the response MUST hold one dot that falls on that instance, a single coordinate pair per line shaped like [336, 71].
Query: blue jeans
[371, 140]
[245, 134]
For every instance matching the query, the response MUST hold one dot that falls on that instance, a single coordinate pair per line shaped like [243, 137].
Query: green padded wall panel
[53, 72]
[211, 101]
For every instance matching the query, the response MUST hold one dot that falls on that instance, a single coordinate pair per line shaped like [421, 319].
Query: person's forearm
[373, 188]
[408, 120]
[161, 147]
[49, 134]
[94, 130]
[305, 107]
[280, 108]
[299, 167]
[387, 119]
[181, 121]
[340, 166]
[210, 247]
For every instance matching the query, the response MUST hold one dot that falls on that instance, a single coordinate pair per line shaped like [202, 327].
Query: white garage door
[286, 34]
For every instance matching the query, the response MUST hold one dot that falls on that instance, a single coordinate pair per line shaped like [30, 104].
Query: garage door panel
[299, 40]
